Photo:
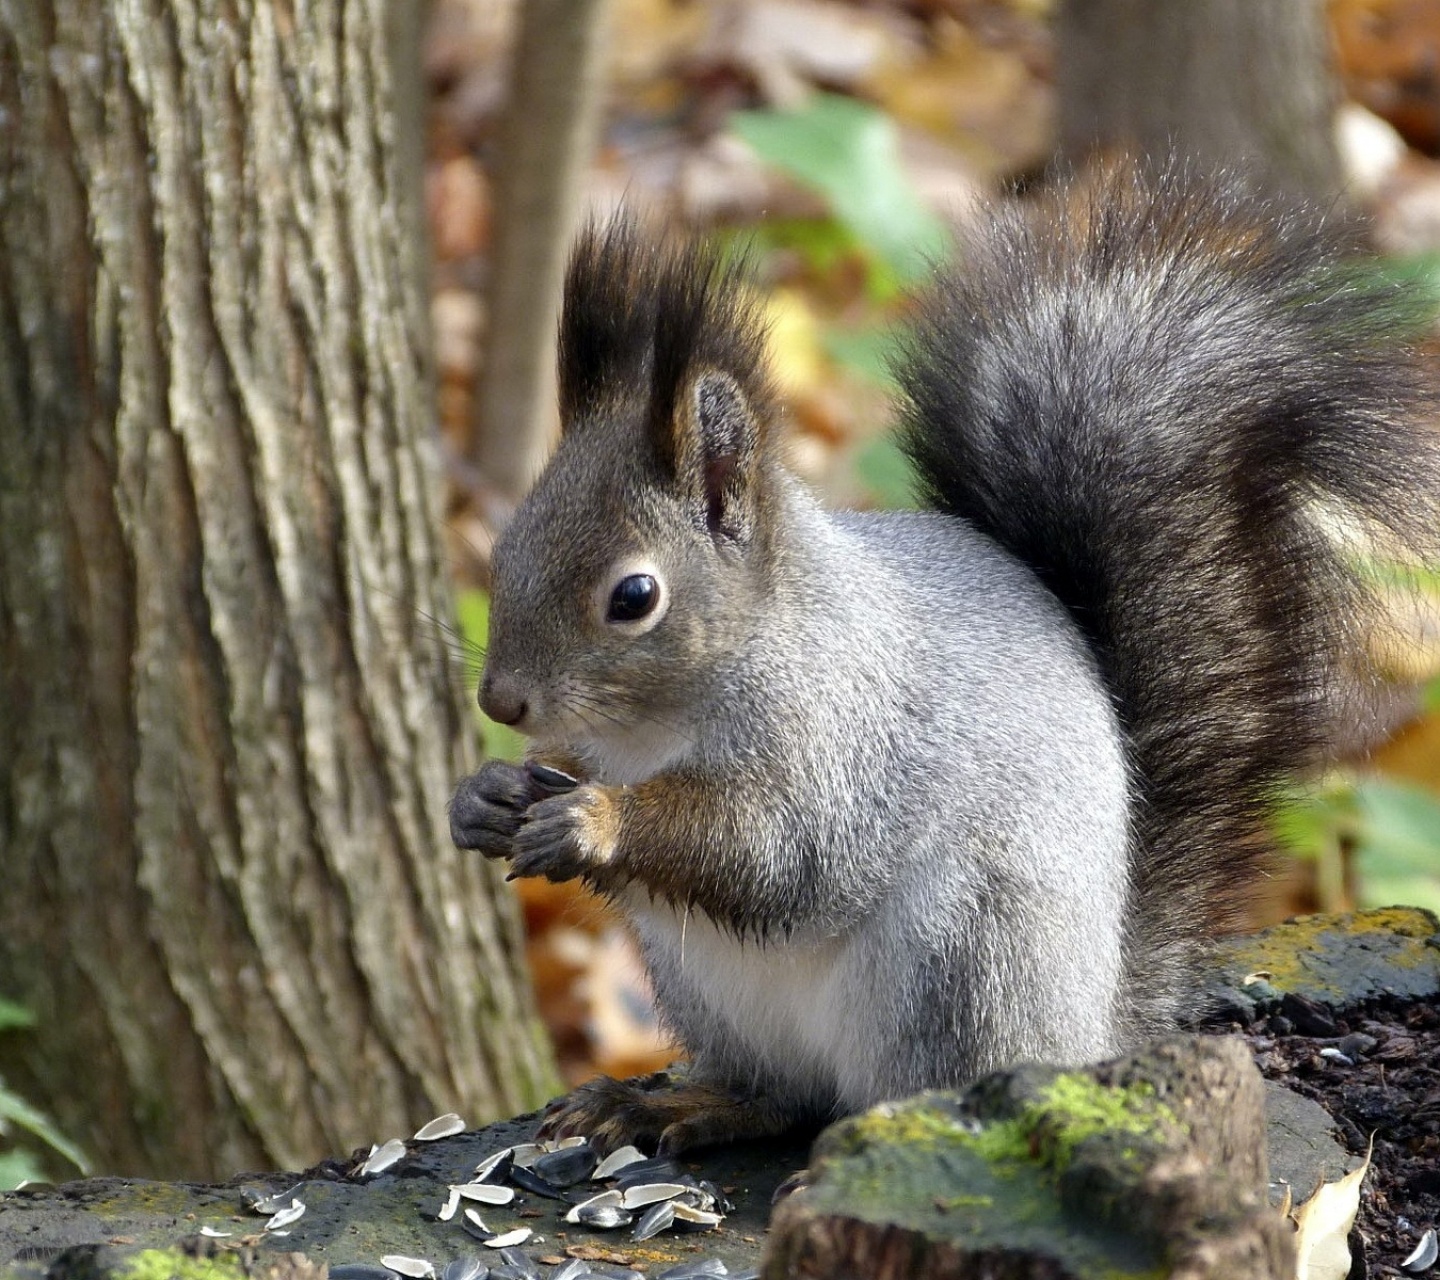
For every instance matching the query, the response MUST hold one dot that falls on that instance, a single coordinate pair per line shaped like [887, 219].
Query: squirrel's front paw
[567, 836]
[489, 806]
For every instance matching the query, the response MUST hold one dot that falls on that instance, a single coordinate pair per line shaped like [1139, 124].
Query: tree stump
[1150, 1165]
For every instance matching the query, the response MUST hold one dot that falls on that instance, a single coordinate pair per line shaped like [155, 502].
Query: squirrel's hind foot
[663, 1114]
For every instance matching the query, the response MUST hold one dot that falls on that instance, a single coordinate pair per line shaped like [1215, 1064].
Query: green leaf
[1392, 573]
[14, 1015]
[17, 1167]
[1430, 700]
[472, 612]
[14, 1110]
[1377, 889]
[1400, 825]
[1397, 845]
[1420, 274]
[849, 153]
[1307, 821]
[1391, 829]
[822, 243]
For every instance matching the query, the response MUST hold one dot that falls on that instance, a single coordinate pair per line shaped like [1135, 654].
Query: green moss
[926, 1168]
[946, 1203]
[172, 1264]
[149, 1198]
[1067, 1111]
[1075, 1108]
[1340, 958]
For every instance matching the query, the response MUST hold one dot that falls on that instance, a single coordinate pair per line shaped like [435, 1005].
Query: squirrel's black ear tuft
[669, 335]
[606, 322]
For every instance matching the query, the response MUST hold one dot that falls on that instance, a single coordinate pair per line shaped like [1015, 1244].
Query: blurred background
[845, 142]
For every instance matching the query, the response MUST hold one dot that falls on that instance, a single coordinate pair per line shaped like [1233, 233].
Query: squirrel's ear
[716, 446]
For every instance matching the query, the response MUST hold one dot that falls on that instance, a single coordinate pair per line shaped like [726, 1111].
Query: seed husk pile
[623, 1190]
[650, 1195]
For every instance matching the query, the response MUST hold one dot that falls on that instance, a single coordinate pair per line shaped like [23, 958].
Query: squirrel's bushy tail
[1172, 400]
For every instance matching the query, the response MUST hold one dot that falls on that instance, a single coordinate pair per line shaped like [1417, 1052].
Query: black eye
[633, 598]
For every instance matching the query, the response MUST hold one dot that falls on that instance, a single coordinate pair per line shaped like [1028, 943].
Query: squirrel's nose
[502, 698]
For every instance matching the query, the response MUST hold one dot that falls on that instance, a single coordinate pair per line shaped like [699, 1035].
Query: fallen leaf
[1323, 1223]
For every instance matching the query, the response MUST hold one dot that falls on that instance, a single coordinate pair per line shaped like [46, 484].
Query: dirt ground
[1386, 1083]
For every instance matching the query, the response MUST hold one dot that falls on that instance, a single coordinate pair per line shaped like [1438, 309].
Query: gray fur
[915, 706]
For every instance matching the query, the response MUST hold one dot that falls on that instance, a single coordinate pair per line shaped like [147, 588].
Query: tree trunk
[228, 721]
[1221, 81]
[549, 134]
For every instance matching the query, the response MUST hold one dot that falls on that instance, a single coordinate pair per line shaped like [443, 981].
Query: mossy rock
[1136, 1168]
[1339, 961]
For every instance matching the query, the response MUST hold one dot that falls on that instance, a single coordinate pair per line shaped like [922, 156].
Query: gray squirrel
[891, 800]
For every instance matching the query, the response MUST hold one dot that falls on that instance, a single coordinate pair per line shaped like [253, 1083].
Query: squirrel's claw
[565, 837]
[660, 1113]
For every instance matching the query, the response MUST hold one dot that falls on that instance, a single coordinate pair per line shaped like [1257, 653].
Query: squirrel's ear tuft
[665, 334]
[607, 321]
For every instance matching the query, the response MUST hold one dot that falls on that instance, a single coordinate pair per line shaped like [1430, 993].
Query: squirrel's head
[630, 575]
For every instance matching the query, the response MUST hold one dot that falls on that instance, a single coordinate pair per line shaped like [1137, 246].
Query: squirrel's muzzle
[502, 698]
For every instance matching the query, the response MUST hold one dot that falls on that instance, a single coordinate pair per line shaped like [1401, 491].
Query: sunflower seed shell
[518, 1236]
[1425, 1254]
[416, 1268]
[695, 1269]
[605, 1200]
[452, 1203]
[485, 1192]
[383, 1157]
[529, 1180]
[695, 1215]
[567, 1166]
[292, 1212]
[617, 1160]
[520, 1261]
[279, 1200]
[494, 1166]
[446, 1126]
[527, 1153]
[361, 1271]
[657, 1218]
[652, 1193]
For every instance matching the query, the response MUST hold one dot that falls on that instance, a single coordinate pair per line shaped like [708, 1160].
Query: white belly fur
[796, 1006]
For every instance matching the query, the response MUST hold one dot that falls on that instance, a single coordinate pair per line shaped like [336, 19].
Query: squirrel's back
[1178, 404]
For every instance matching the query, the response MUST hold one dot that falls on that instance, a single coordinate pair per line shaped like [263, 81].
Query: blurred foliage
[887, 475]
[472, 613]
[849, 152]
[25, 1161]
[1375, 841]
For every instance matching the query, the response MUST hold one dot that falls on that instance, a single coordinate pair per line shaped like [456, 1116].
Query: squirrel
[895, 799]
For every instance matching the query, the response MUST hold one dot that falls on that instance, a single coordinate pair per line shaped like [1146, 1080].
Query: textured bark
[549, 134]
[228, 723]
[1223, 81]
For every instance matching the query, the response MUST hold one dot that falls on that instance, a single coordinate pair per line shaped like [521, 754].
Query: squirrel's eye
[633, 598]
